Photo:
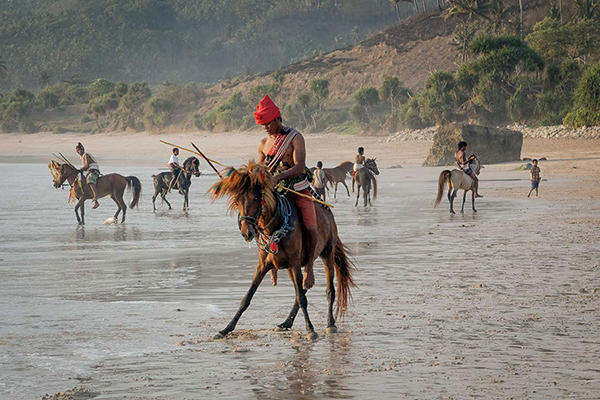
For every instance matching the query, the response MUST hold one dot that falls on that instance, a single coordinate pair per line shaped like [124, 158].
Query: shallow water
[484, 305]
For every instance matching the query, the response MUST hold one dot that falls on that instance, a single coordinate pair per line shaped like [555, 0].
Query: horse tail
[444, 177]
[135, 185]
[344, 269]
[374, 187]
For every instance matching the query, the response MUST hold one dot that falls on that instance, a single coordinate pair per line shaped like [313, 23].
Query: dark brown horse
[191, 166]
[112, 185]
[270, 218]
[338, 175]
[365, 178]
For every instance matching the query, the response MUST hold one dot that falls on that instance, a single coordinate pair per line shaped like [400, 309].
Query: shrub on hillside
[256, 94]
[159, 113]
[102, 108]
[320, 88]
[586, 110]
[131, 110]
[438, 101]
[100, 87]
[365, 99]
[227, 116]
[15, 108]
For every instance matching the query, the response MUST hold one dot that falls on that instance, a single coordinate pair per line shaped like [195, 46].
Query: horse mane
[237, 182]
[191, 159]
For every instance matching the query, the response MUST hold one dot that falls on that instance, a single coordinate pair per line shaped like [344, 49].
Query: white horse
[456, 180]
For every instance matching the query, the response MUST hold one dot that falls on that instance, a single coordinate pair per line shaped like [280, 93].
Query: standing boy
[535, 178]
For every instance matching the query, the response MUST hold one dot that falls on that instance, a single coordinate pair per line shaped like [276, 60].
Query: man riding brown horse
[283, 151]
[90, 165]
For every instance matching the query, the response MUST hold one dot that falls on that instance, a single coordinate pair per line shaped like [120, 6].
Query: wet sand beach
[497, 304]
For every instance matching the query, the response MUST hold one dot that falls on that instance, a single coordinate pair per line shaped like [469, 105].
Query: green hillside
[45, 41]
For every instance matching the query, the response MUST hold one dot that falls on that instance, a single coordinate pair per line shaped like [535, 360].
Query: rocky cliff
[492, 145]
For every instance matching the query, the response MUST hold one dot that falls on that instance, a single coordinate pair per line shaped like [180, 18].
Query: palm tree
[2, 69]
[44, 78]
[395, 2]
[469, 8]
[585, 9]
[498, 15]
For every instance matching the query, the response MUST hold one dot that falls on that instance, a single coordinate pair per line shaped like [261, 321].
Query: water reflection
[114, 233]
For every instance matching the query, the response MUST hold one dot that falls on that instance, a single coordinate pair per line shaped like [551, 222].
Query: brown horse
[270, 218]
[338, 175]
[112, 185]
[365, 178]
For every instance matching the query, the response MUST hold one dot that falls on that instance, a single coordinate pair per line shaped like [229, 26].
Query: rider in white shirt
[174, 166]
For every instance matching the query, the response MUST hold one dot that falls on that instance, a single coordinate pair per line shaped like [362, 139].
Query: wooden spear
[207, 160]
[277, 187]
[191, 151]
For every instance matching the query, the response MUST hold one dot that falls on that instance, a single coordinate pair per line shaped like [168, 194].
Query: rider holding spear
[90, 165]
[283, 151]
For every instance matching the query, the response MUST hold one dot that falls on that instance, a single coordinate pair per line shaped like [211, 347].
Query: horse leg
[462, 209]
[164, 197]
[78, 206]
[259, 273]
[335, 192]
[296, 277]
[124, 208]
[329, 274]
[473, 201]
[346, 186]
[154, 199]
[289, 321]
[452, 197]
[114, 198]
[357, 194]
[185, 200]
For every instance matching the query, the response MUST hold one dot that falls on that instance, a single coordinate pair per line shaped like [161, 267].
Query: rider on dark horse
[464, 164]
[283, 151]
[90, 165]
[174, 167]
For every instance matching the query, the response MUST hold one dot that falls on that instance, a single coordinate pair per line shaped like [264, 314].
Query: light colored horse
[457, 180]
[365, 178]
[338, 175]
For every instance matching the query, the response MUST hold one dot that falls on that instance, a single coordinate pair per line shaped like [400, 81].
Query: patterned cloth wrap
[300, 183]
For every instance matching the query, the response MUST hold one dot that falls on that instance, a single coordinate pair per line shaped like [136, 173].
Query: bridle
[265, 242]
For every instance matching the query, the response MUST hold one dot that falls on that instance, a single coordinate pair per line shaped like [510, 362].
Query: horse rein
[266, 244]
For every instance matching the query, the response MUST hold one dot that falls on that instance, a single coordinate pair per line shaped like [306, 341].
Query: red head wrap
[266, 111]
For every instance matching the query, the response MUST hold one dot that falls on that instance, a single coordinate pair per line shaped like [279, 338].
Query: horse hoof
[462, 212]
[280, 328]
[312, 335]
[219, 336]
[474, 210]
[452, 212]
[330, 330]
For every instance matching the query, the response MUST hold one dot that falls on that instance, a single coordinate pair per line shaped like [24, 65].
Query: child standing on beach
[535, 178]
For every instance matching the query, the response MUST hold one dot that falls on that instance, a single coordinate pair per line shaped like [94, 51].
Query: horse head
[251, 192]
[60, 172]
[192, 164]
[475, 163]
[372, 165]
